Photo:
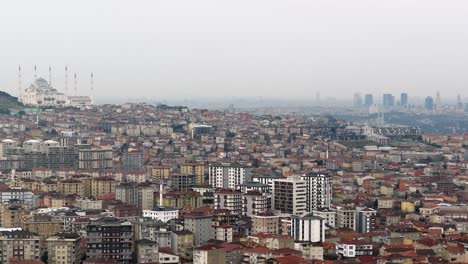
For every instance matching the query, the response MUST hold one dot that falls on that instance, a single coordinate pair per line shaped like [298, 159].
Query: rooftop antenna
[50, 76]
[66, 79]
[19, 82]
[75, 85]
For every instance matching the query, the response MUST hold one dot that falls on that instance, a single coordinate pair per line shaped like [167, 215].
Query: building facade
[318, 191]
[227, 175]
[307, 228]
[289, 195]
[64, 248]
[109, 238]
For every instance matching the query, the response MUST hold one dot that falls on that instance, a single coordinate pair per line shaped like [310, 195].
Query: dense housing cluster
[135, 183]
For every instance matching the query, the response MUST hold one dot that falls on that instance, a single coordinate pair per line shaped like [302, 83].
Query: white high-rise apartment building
[345, 217]
[319, 191]
[289, 195]
[227, 175]
[307, 228]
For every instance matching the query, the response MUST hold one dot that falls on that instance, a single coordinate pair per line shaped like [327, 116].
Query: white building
[32, 145]
[87, 204]
[228, 199]
[353, 248]
[307, 228]
[328, 216]
[319, 191]
[168, 257]
[345, 217]
[162, 213]
[253, 203]
[227, 175]
[224, 233]
[289, 195]
[16, 194]
[267, 180]
[365, 219]
[95, 158]
[6, 145]
[41, 93]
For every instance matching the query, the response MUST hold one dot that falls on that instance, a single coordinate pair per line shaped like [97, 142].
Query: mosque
[40, 93]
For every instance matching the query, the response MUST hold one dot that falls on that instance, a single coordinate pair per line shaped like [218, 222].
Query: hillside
[8, 102]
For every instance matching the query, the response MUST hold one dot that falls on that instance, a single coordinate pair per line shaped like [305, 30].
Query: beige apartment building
[19, 245]
[102, 185]
[196, 169]
[71, 186]
[64, 248]
[266, 223]
[160, 172]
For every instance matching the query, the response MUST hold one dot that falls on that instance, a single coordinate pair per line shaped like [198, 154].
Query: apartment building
[289, 195]
[193, 168]
[345, 217]
[19, 245]
[227, 175]
[109, 238]
[201, 227]
[147, 251]
[102, 185]
[138, 194]
[95, 159]
[366, 221]
[267, 223]
[254, 202]
[307, 228]
[228, 199]
[318, 191]
[64, 248]
[71, 186]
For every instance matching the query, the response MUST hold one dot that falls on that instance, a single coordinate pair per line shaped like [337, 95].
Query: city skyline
[264, 48]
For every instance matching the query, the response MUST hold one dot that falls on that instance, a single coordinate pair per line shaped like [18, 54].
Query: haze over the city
[212, 48]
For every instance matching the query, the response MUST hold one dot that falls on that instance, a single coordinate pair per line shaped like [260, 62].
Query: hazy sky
[205, 48]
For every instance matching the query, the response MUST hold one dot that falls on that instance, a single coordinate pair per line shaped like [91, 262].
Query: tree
[376, 204]
[230, 134]
[45, 257]
[256, 163]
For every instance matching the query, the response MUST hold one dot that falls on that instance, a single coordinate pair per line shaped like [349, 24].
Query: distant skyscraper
[357, 100]
[404, 99]
[368, 100]
[388, 100]
[459, 103]
[438, 101]
[429, 103]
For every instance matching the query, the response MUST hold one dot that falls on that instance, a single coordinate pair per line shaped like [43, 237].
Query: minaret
[20, 90]
[66, 79]
[12, 175]
[75, 88]
[160, 195]
[50, 76]
[92, 88]
[35, 73]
